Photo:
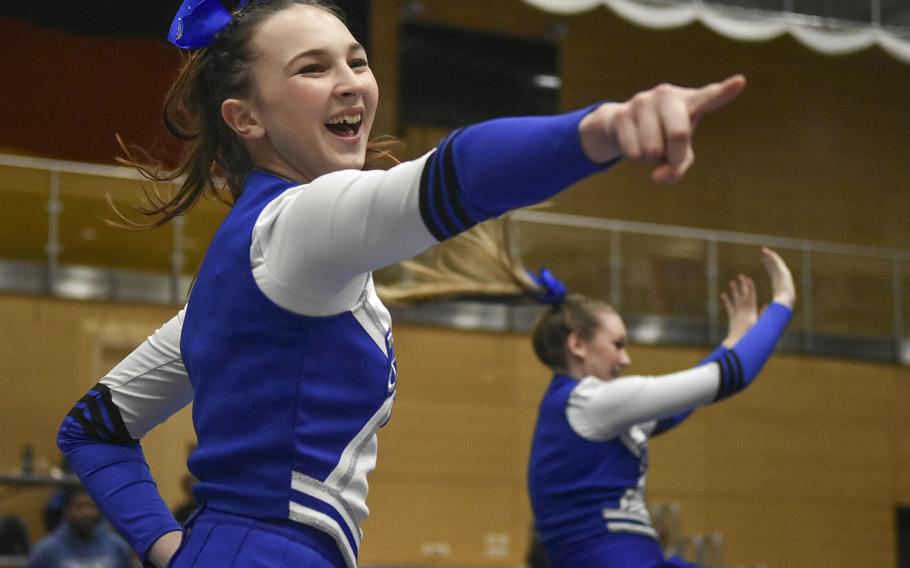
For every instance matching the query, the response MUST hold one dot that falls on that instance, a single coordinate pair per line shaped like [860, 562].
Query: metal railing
[882, 289]
[87, 282]
[665, 279]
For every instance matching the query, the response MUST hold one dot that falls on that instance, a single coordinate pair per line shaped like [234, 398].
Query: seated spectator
[13, 536]
[81, 540]
[53, 509]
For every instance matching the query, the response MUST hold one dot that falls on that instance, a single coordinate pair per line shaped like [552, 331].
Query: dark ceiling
[131, 18]
[151, 18]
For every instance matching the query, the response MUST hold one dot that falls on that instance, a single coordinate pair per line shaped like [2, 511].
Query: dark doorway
[902, 518]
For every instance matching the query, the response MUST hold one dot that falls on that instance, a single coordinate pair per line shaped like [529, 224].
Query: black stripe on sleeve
[722, 382]
[120, 433]
[97, 419]
[435, 193]
[94, 424]
[438, 185]
[424, 200]
[453, 187]
[740, 374]
[78, 415]
[732, 378]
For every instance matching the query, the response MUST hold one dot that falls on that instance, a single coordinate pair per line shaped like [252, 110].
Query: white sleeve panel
[600, 410]
[313, 245]
[151, 383]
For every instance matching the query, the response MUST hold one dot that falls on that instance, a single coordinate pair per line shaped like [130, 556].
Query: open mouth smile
[345, 126]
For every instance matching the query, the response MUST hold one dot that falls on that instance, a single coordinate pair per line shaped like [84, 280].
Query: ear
[576, 346]
[242, 119]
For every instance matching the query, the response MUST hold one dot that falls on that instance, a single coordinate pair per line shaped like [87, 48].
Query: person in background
[589, 456]
[53, 509]
[82, 540]
[13, 536]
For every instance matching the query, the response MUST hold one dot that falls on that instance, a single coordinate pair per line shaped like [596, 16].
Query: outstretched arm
[741, 307]
[323, 237]
[509, 163]
[601, 410]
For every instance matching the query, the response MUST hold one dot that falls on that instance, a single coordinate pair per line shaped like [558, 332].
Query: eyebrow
[320, 51]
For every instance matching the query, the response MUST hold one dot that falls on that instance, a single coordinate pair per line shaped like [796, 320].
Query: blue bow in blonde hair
[197, 22]
[553, 290]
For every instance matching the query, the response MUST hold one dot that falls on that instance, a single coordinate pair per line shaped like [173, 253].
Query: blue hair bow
[197, 22]
[554, 290]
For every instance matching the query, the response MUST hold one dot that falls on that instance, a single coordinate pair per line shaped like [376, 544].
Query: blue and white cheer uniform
[589, 455]
[286, 351]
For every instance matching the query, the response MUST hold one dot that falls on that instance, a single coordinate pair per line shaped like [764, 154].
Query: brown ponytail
[576, 314]
[483, 263]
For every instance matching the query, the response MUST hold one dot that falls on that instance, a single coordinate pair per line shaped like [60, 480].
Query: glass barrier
[23, 214]
[666, 281]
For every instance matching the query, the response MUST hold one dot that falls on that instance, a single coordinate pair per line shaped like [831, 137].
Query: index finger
[714, 96]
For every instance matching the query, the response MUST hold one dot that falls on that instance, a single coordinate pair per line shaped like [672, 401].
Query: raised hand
[655, 126]
[782, 287]
[741, 305]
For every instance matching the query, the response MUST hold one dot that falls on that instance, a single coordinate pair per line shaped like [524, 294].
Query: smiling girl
[284, 347]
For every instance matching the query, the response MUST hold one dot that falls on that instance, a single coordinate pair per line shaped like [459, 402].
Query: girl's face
[313, 94]
[603, 356]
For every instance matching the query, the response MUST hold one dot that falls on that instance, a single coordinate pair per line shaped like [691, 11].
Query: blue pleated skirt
[215, 539]
[616, 550]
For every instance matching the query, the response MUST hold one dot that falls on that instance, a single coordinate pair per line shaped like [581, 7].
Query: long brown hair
[484, 263]
[214, 157]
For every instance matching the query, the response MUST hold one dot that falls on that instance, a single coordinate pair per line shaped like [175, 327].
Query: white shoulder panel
[314, 244]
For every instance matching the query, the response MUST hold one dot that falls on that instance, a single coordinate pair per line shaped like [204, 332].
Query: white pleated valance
[742, 25]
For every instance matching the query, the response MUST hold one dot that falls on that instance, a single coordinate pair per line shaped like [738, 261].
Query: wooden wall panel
[447, 487]
[812, 149]
[50, 356]
[803, 533]
[803, 469]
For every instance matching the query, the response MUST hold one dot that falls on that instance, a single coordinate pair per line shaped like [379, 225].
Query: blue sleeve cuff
[484, 170]
[740, 365]
[117, 477]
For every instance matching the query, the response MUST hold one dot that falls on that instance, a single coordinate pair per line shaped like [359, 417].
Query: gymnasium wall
[814, 148]
[803, 469]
